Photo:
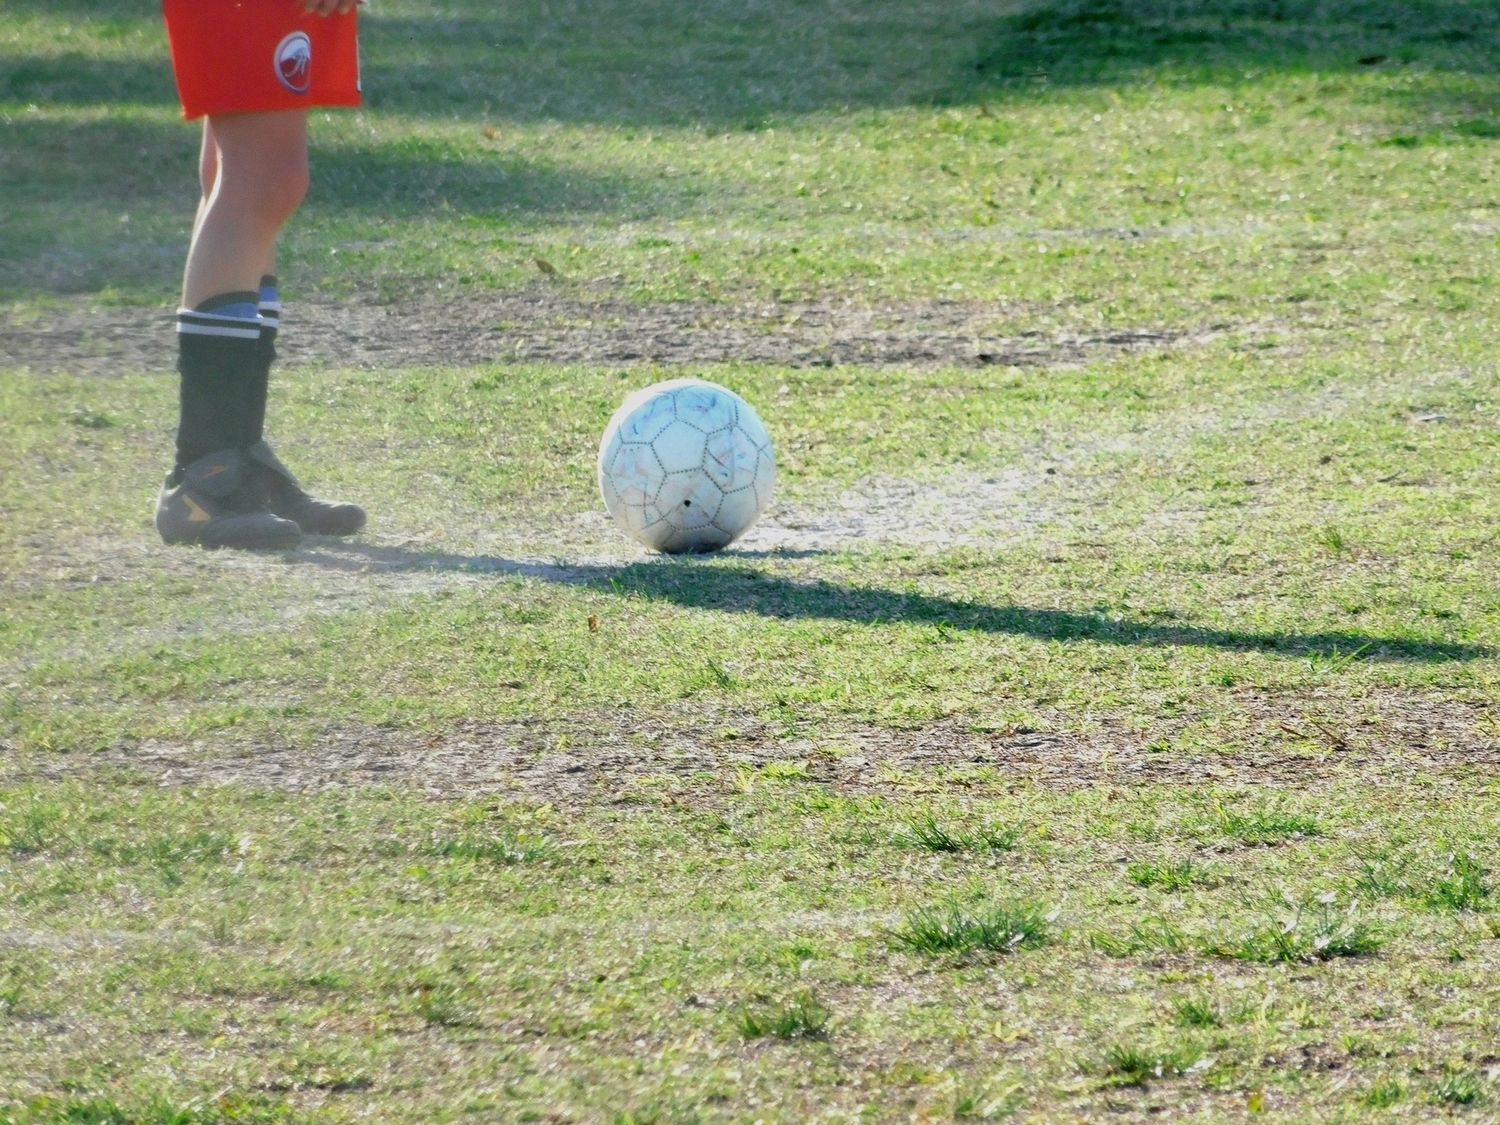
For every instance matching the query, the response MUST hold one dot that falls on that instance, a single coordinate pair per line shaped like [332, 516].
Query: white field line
[995, 509]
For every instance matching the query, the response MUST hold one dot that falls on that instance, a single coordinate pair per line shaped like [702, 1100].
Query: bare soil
[1292, 742]
[544, 326]
[611, 758]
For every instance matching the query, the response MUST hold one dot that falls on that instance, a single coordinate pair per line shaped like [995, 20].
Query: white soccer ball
[686, 465]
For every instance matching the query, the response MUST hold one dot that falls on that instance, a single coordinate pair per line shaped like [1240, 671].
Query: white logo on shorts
[294, 62]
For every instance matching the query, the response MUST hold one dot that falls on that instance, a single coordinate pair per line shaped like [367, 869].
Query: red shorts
[244, 56]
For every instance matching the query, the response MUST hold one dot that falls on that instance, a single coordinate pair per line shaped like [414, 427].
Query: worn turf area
[1104, 719]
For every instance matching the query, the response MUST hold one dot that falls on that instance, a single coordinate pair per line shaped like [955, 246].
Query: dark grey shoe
[216, 502]
[287, 500]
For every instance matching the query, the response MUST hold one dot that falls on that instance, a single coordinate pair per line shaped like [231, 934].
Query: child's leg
[208, 176]
[254, 173]
[253, 167]
[208, 173]
[252, 71]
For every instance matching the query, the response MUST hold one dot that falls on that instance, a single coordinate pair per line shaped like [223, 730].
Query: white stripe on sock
[192, 322]
[187, 329]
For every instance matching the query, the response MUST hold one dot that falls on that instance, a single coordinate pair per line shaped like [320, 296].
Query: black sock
[270, 326]
[223, 361]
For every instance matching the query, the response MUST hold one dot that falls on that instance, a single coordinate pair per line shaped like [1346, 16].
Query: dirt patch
[1294, 743]
[472, 548]
[468, 328]
[957, 509]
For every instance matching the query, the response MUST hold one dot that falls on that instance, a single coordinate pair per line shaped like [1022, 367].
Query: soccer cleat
[214, 502]
[286, 498]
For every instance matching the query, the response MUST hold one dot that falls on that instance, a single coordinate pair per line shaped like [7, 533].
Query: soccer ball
[685, 465]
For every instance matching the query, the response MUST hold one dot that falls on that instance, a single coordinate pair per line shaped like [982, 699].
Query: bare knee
[268, 190]
[261, 165]
[286, 185]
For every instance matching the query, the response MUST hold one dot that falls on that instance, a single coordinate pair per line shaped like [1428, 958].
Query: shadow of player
[730, 586]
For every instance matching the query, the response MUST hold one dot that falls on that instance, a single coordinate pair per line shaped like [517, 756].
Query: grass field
[1103, 722]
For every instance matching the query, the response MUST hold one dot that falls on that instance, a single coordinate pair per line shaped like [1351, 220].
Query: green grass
[800, 1018]
[1316, 931]
[1197, 1012]
[927, 833]
[1266, 826]
[1131, 745]
[336, 914]
[1385, 1094]
[153, 1111]
[1136, 1066]
[1151, 934]
[1171, 875]
[998, 928]
[1458, 1088]
[1462, 886]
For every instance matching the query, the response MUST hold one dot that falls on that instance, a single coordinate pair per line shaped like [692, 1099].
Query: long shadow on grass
[732, 64]
[100, 165]
[726, 587]
[1110, 42]
[98, 169]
